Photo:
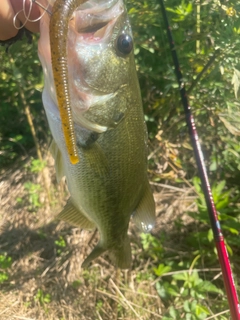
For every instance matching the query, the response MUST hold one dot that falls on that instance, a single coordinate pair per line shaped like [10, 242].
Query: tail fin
[97, 251]
[120, 256]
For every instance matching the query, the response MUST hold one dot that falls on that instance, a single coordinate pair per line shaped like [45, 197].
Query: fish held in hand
[109, 184]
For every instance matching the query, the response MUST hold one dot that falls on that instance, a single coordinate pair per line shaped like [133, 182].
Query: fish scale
[109, 184]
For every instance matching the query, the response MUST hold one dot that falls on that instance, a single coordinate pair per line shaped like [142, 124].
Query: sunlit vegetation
[175, 272]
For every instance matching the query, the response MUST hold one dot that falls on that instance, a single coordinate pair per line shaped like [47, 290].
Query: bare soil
[45, 280]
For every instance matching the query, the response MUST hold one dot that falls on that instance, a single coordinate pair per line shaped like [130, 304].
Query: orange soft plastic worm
[62, 12]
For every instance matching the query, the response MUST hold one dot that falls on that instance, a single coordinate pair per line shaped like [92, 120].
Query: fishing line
[216, 228]
[44, 8]
[27, 15]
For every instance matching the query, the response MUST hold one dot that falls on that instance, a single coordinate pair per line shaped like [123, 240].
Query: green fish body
[109, 184]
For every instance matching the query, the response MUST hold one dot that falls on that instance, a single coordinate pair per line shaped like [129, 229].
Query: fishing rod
[215, 224]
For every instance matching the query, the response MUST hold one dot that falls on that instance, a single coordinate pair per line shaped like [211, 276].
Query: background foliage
[208, 45]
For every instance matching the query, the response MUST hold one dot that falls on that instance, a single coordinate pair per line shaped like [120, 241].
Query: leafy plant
[5, 263]
[42, 298]
[208, 45]
[37, 165]
[186, 291]
[33, 190]
[60, 243]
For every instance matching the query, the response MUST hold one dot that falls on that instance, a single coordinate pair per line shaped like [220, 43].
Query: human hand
[9, 9]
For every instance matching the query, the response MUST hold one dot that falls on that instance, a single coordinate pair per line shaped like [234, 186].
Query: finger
[7, 29]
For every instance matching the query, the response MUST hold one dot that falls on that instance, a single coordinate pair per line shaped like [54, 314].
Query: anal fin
[144, 214]
[74, 216]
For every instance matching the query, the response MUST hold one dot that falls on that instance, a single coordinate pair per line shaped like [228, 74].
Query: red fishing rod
[216, 228]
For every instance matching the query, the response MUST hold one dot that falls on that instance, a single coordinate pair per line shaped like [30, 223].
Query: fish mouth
[94, 20]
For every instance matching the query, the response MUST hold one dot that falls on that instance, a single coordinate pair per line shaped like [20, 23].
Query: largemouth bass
[109, 184]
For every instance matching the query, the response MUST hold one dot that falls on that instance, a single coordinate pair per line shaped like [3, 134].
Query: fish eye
[124, 44]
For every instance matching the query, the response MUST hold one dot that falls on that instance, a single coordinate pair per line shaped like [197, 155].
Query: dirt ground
[45, 279]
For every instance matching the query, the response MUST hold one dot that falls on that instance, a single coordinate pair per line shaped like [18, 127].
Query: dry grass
[46, 281]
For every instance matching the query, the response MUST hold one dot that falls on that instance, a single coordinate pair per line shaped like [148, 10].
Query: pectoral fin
[97, 160]
[56, 153]
[144, 215]
[74, 216]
